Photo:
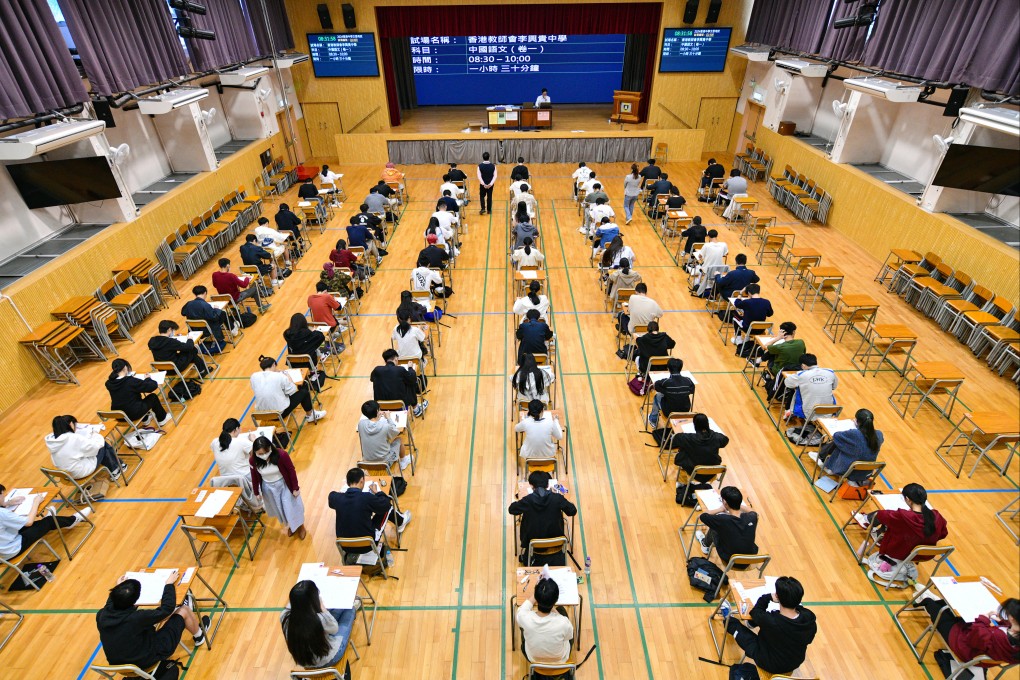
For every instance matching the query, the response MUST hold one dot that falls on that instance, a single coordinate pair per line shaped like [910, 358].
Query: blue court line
[142, 500]
[882, 477]
[952, 568]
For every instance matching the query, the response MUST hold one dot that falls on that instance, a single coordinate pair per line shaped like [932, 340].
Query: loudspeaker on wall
[691, 11]
[350, 21]
[957, 98]
[325, 20]
[714, 7]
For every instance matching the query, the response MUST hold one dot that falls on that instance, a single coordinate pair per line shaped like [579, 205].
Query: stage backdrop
[397, 25]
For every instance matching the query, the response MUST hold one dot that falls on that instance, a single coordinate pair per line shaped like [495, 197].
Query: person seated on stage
[523, 228]
[643, 310]
[380, 437]
[126, 392]
[276, 242]
[542, 510]
[624, 277]
[813, 387]
[749, 310]
[898, 532]
[546, 633]
[533, 300]
[308, 191]
[780, 644]
[541, 99]
[533, 334]
[734, 186]
[532, 381]
[860, 443]
[731, 527]
[700, 448]
[432, 255]
[519, 171]
[672, 394]
[227, 283]
[254, 255]
[651, 172]
[199, 309]
[360, 511]
[580, 176]
[695, 233]
[391, 174]
[675, 200]
[316, 637]
[527, 255]
[392, 382]
[360, 235]
[541, 432]
[995, 635]
[654, 343]
[322, 306]
[605, 231]
[615, 253]
[232, 449]
[129, 634]
[287, 221]
[452, 204]
[79, 450]
[275, 391]
[735, 280]
[713, 171]
[661, 186]
[181, 350]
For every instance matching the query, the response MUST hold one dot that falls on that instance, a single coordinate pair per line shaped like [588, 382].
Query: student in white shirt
[588, 185]
[423, 278]
[18, 532]
[275, 391]
[546, 633]
[232, 449]
[541, 432]
[532, 381]
[454, 190]
[408, 339]
[532, 301]
[515, 187]
[327, 175]
[78, 450]
[529, 201]
[579, 176]
[543, 98]
[599, 210]
[712, 255]
[642, 308]
[271, 239]
[527, 255]
[446, 219]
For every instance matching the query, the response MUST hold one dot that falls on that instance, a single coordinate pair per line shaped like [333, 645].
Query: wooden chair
[997, 337]
[951, 310]
[120, 428]
[872, 469]
[546, 547]
[19, 559]
[216, 530]
[907, 272]
[661, 152]
[969, 327]
[915, 291]
[124, 671]
[374, 544]
[275, 420]
[176, 379]
[740, 563]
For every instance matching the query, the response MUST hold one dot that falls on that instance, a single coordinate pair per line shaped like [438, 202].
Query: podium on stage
[626, 106]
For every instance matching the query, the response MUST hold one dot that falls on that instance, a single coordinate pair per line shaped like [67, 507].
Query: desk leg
[370, 598]
[215, 600]
[720, 645]
[20, 619]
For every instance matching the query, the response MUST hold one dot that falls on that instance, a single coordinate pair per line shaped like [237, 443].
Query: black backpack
[705, 575]
[248, 319]
[168, 669]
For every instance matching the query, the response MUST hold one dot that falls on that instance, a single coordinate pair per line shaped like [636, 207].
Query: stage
[438, 134]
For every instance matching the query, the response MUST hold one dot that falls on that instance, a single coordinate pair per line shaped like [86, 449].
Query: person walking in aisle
[275, 481]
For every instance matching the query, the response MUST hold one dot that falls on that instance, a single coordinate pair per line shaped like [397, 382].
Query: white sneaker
[166, 420]
[406, 519]
[700, 536]
[315, 415]
[277, 282]
[81, 516]
[234, 330]
[404, 462]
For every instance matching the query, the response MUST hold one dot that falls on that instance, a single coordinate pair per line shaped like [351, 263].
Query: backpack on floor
[168, 669]
[638, 386]
[744, 671]
[705, 575]
[248, 319]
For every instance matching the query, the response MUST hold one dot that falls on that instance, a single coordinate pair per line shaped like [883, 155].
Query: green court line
[605, 457]
[506, 406]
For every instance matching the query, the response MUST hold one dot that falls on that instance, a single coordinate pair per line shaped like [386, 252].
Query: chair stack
[800, 195]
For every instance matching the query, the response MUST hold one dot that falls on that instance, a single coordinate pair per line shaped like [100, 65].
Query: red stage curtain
[582, 19]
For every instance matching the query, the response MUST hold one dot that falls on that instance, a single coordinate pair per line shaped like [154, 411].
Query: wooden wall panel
[879, 218]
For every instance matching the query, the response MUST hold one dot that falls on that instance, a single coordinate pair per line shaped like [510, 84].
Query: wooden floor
[445, 119]
[447, 615]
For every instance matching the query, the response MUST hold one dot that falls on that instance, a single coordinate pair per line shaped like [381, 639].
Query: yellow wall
[81, 270]
[880, 218]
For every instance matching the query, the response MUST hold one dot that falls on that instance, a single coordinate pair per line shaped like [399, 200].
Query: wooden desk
[744, 205]
[926, 379]
[796, 262]
[882, 341]
[849, 310]
[741, 594]
[776, 239]
[757, 223]
[523, 278]
[894, 260]
[138, 267]
[503, 119]
[817, 282]
[197, 498]
[983, 431]
[966, 596]
[524, 587]
[536, 118]
[50, 341]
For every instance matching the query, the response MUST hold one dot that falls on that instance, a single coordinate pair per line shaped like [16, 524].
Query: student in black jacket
[700, 448]
[694, 234]
[360, 511]
[533, 334]
[391, 382]
[541, 514]
[652, 344]
[520, 171]
[672, 394]
[713, 171]
[432, 255]
[308, 190]
[199, 309]
[301, 339]
[129, 634]
[252, 254]
[780, 645]
[126, 393]
[731, 527]
[181, 351]
[651, 171]
[288, 221]
[415, 311]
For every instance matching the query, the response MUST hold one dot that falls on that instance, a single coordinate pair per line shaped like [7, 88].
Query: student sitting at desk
[643, 310]
[274, 480]
[180, 350]
[254, 255]
[199, 309]
[672, 394]
[700, 448]
[391, 382]
[360, 235]
[624, 277]
[126, 392]
[600, 210]
[275, 241]
[661, 186]
[533, 334]
[308, 191]
[360, 511]
[345, 258]
[523, 228]
[749, 310]
[301, 339]
[735, 280]
[996, 635]
[531, 381]
[541, 432]
[455, 191]
[448, 217]
[79, 450]
[275, 391]
[239, 289]
[408, 340]
[389, 194]
[605, 231]
[458, 175]
[390, 173]
[780, 645]
[731, 527]
[379, 436]
[376, 202]
[129, 634]
[232, 449]
[541, 514]
[814, 387]
[591, 199]
[322, 305]
[675, 201]
[579, 177]
[527, 255]
[615, 253]
[734, 186]
[286, 220]
[452, 204]
[900, 531]
[432, 255]
[654, 343]
[713, 171]
[532, 301]
[408, 307]
[695, 233]
[336, 280]
[520, 171]
[784, 354]
[516, 188]
[546, 634]
[316, 637]
[711, 258]
[651, 171]
[860, 443]
[18, 532]
[425, 279]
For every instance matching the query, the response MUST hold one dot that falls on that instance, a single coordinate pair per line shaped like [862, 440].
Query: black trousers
[485, 198]
[41, 527]
[153, 403]
[302, 398]
[948, 620]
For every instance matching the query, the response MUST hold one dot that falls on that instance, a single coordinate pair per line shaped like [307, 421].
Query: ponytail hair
[866, 424]
[533, 289]
[535, 408]
[527, 245]
[403, 324]
[229, 425]
[117, 366]
[915, 493]
[265, 363]
[624, 265]
[634, 171]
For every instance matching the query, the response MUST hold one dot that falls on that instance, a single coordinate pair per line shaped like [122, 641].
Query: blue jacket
[850, 448]
[736, 279]
[607, 234]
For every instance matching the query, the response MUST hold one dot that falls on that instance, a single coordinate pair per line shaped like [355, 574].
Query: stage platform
[443, 127]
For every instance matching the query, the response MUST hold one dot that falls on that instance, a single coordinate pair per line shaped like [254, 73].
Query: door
[322, 121]
[715, 117]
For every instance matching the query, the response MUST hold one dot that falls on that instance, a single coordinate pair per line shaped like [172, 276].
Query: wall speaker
[325, 20]
[957, 98]
[691, 11]
[350, 21]
[714, 7]
[104, 112]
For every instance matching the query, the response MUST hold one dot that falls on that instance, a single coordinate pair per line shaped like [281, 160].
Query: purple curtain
[844, 44]
[36, 70]
[233, 41]
[795, 25]
[951, 41]
[124, 44]
[279, 25]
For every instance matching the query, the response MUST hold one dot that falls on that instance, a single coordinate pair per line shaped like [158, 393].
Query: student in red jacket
[996, 635]
[227, 283]
[901, 531]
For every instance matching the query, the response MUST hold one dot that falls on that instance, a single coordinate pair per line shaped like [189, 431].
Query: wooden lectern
[626, 106]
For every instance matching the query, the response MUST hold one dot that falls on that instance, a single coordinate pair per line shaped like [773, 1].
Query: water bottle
[587, 566]
[724, 608]
[45, 572]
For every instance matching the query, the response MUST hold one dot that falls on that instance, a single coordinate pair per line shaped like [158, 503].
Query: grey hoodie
[375, 440]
